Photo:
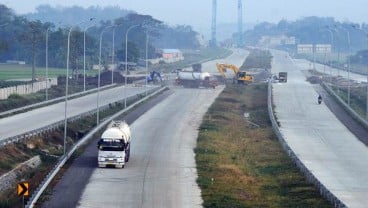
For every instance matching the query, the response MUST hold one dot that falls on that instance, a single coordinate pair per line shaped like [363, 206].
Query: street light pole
[66, 82]
[113, 54]
[126, 62]
[146, 62]
[99, 77]
[84, 57]
[47, 62]
[366, 36]
[349, 49]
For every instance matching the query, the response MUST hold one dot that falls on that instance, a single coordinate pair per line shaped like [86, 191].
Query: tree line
[26, 40]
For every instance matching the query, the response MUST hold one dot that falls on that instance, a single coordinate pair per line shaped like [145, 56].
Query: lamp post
[126, 62]
[84, 56]
[146, 62]
[113, 53]
[349, 49]
[366, 36]
[99, 77]
[66, 81]
[47, 62]
[332, 29]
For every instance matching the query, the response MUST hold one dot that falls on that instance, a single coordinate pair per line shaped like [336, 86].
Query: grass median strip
[243, 165]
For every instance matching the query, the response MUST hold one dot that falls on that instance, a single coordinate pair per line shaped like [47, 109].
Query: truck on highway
[282, 77]
[192, 79]
[195, 78]
[114, 145]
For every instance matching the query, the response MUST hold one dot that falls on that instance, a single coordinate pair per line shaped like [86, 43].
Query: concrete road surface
[325, 146]
[305, 64]
[162, 171]
[41, 117]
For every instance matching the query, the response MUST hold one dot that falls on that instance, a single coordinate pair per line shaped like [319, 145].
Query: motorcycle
[319, 99]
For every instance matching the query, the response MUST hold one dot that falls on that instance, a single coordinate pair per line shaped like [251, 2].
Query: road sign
[22, 188]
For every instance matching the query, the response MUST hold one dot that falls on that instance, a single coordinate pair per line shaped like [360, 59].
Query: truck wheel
[127, 155]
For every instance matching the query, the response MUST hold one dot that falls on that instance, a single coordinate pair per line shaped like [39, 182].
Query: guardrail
[38, 192]
[58, 124]
[5, 113]
[308, 174]
[352, 113]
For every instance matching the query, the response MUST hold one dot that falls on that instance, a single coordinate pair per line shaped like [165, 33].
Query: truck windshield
[111, 145]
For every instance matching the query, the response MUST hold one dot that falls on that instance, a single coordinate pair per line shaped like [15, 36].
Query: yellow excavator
[241, 77]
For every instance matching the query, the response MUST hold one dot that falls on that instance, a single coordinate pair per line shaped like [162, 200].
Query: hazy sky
[198, 12]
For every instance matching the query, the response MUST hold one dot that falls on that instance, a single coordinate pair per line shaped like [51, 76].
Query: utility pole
[240, 24]
[213, 26]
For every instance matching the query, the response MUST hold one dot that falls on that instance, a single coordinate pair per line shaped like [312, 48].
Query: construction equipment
[114, 145]
[241, 77]
[154, 76]
[282, 76]
[191, 79]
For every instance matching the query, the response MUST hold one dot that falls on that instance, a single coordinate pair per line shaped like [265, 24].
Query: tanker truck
[192, 79]
[114, 145]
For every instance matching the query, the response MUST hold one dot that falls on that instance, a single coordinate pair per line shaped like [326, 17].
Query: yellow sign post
[22, 189]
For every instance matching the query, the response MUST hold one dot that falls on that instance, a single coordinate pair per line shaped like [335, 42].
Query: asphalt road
[161, 171]
[323, 144]
[41, 117]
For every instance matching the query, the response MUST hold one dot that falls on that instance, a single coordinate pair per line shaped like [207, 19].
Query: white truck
[114, 145]
[192, 79]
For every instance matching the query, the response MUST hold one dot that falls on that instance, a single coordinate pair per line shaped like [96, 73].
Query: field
[11, 71]
[240, 161]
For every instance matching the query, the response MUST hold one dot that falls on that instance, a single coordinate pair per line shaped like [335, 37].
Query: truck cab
[114, 145]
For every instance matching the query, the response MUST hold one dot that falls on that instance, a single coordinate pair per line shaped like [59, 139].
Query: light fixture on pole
[66, 82]
[126, 62]
[84, 56]
[47, 62]
[366, 36]
[349, 49]
[99, 77]
[113, 53]
[146, 62]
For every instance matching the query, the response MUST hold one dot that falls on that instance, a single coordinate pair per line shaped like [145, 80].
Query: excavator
[154, 76]
[241, 77]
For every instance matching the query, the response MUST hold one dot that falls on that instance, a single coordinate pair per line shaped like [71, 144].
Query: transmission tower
[240, 24]
[213, 26]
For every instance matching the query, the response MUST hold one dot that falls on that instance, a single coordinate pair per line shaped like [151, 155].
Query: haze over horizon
[199, 13]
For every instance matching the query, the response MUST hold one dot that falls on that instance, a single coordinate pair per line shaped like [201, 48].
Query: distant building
[323, 48]
[318, 48]
[305, 48]
[277, 40]
[168, 56]
[172, 54]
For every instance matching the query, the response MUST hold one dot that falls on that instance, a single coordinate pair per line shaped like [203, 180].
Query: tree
[133, 52]
[32, 38]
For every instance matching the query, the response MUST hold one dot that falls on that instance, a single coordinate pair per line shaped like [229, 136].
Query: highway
[305, 64]
[41, 117]
[324, 145]
[161, 171]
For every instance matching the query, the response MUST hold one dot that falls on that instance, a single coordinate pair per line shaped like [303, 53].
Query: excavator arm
[222, 68]
[242, 77]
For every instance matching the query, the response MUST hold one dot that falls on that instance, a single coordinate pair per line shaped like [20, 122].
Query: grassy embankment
[240, 165]
[243, 166]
